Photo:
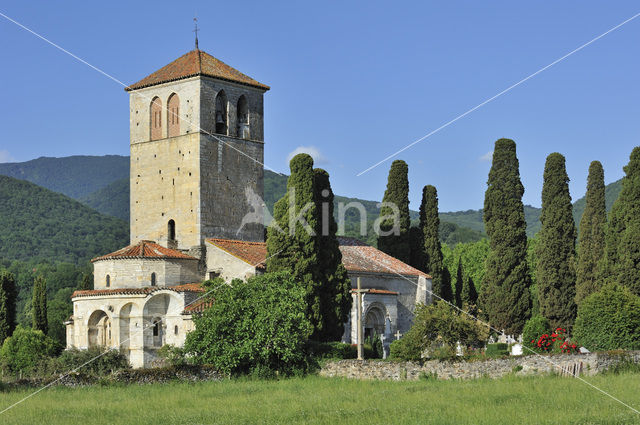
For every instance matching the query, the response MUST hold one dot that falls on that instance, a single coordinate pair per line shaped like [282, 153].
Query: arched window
[153, 279]
[175, 329]
[108, 281]
[173, 115]
[221, 113]
[243, 118]
[156, 119]
[171, 230]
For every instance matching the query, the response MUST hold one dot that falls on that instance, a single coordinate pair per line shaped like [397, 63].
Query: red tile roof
[188, 287]
[145, 249]
[357, 256]
[196, 62]
[198, 306]
[376, 291]
[253, 253]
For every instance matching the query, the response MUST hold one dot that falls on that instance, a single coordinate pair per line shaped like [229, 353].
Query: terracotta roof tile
[145, 249]
[357, 256]
[253, 253]
[376, 291]
[188, 287]
[196, 62]
[198, 306]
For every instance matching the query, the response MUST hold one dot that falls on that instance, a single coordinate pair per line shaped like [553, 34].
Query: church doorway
[374, 321]
[99, 329]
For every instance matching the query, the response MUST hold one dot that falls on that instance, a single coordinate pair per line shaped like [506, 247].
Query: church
[197, 149]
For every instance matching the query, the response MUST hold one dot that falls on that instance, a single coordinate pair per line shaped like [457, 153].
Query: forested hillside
[112, 199]
[40, 224]
[102, 183]
[74, 176]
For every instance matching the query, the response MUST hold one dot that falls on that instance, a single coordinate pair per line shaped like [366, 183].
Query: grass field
[314, 400]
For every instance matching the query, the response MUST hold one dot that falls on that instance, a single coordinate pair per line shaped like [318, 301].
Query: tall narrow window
[243, 118]
[108, 281]
[153, 279]
[221, 113]
[156, 119]
[173, 115]
[171, 233]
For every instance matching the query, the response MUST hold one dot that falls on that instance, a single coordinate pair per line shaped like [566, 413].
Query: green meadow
[315, 400]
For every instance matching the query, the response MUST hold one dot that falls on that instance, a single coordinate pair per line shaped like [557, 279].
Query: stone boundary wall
[126, 376]
[581, 364]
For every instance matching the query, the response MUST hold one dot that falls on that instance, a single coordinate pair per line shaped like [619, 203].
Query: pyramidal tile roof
[194, 63]
[357, 256]
[145, 249]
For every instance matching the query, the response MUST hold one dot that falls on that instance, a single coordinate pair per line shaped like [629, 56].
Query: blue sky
[353, 81]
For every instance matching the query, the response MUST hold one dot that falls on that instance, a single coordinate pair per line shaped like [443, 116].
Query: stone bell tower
[197, 149]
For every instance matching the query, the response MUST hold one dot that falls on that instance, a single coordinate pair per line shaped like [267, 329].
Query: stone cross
[398, 334]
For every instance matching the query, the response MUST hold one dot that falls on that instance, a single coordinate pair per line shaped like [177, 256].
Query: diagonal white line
[109, 76]
[447, 124]
[252, 267]
[575, 375]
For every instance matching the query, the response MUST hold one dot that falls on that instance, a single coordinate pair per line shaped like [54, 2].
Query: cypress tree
[459, 283]
[396, 243]
[292, 243]
[622, 256]
[555, 251]
[8, 297]
[505, 298]
[335, 292]
[432, 249]
[87, 282]
[39, 305]
[470, 295]
[591, 240]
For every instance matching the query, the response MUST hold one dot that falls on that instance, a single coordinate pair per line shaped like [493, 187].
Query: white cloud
[318, 157]
[5, 156]
[487, 157]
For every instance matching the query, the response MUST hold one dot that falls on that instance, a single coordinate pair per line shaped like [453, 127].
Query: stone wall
[582, 364]
[136, 272]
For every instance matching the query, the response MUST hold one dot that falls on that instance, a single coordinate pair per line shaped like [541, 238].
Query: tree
[609, 320]
[394, 235]
[39, 305]
[470, 296]
[335, 292]
[8, 297]
[504, 297]
[25, 349]
[622, 256]
[87, 282]
[259, 326]
[459, 284]
[556, 275]
[432, 249]
[292, 241]
[592, 234]
[438, 326]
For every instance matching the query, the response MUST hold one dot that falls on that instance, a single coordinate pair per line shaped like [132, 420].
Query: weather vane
[195, 24]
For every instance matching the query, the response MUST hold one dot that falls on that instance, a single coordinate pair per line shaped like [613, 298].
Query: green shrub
[172, 355]
[26, 349]
[331, 350]
[94, 361]
[609, 320]
[436, 330]
[497, 350]
[254, 325]
[533, 329]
